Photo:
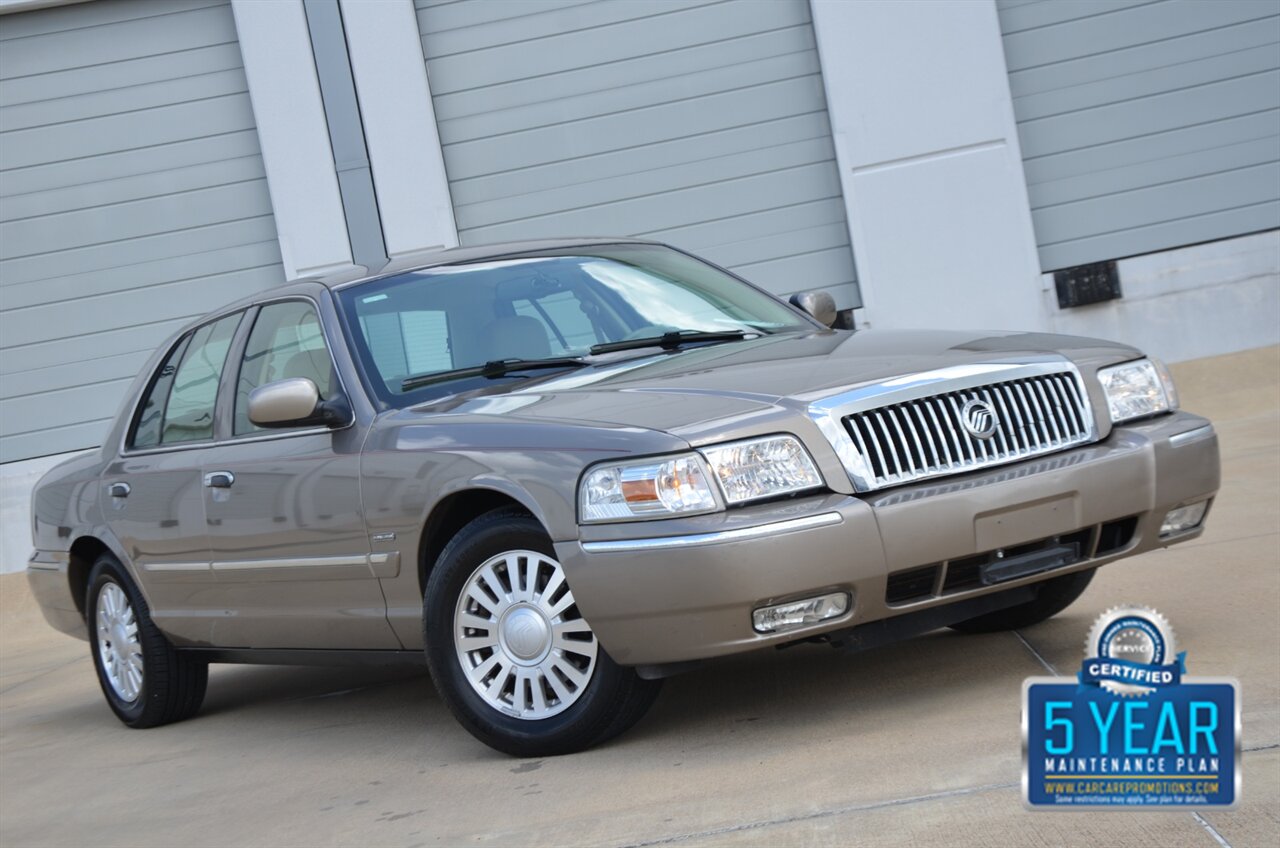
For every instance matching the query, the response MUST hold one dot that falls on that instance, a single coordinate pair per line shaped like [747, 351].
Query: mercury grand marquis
[563, 471]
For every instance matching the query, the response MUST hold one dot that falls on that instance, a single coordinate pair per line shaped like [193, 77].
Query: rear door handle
[219, 479]
[118, 490]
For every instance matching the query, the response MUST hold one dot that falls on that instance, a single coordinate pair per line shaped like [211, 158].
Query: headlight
[762, 468]
[1138, 389]
[648, 488]
[681, 485]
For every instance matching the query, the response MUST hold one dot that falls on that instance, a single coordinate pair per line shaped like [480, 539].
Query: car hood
[683, 392]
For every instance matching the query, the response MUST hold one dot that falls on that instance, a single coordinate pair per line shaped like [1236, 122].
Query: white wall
[930, 165]
[294, 136]
[399, 126]
[17, 479]
[1187, 303]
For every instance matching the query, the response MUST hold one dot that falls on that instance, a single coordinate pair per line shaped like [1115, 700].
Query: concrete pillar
[930, 164]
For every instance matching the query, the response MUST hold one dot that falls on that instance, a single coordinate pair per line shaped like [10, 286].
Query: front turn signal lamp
[651, 488]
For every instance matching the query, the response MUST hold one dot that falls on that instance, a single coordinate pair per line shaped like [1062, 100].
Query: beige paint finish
[799, 747]
[263, 540]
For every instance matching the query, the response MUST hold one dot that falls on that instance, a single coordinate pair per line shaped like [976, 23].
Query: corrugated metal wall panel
[1145, 125]
[698, 122]
[132, 198]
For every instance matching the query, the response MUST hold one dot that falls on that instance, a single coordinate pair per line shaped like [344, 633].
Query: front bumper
[684, 589]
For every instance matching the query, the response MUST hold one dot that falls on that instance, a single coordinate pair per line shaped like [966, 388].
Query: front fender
[409, 469]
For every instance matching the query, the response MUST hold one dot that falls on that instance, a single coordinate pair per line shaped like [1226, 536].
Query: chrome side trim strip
[1195, 435]
[361, 561]
[175, 566]
[790, 525]
[385, 564]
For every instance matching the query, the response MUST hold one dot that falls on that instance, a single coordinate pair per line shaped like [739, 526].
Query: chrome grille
[890, 436]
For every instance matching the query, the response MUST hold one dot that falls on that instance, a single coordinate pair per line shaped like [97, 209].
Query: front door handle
[219, 479]
[118, 490]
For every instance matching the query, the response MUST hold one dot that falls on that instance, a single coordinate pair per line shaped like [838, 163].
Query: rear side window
[146, 433]
[286, 341]
[188, 415]
[178, 406]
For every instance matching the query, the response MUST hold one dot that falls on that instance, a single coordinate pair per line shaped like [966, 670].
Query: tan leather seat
[515, 337]
[314, 365]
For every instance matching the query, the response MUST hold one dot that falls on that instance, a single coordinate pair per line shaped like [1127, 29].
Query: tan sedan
[563, 471]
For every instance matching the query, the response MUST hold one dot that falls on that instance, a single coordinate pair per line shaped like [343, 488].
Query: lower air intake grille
[911, 585]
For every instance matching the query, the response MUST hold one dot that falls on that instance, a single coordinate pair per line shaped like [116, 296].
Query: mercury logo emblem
[979, 419]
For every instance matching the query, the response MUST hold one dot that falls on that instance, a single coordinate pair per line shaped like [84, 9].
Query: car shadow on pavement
[793, 689]
[265, 688]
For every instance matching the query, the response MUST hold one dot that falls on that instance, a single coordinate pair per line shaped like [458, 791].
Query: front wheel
[146, 681]
[510, 653]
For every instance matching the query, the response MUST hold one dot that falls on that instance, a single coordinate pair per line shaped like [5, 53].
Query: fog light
[799, 613]
[1183, 518]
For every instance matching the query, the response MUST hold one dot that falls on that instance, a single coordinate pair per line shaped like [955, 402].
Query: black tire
[173, 684]
[1055, 595]
[611, 702]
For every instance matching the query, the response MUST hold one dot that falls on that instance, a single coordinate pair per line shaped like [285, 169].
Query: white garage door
[1145, 125]
[132, 198]
[698, 122]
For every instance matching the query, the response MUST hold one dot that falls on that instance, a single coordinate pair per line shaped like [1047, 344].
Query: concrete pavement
[917, 743]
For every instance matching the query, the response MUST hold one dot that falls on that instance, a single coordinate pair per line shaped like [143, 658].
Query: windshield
[555, 304]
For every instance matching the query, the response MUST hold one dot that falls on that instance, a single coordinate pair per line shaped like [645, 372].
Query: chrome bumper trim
[1191, 436]
[790, 525]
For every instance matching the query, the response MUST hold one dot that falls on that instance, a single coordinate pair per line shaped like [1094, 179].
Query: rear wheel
[510, 653]
[146, 681]
[1053, 597]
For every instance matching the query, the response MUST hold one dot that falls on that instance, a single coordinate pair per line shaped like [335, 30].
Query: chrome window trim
[829, 413]
[808, 522]
[125, 451]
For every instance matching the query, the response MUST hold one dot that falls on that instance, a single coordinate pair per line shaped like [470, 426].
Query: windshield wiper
[670, 341]
[491, 369]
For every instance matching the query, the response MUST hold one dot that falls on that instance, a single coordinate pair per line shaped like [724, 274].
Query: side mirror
[818, 304]
[296, 402]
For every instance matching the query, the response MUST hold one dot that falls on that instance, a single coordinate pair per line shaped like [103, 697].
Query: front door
[287, 536]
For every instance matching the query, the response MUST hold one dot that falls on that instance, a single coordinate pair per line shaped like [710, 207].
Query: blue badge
[1132, 730]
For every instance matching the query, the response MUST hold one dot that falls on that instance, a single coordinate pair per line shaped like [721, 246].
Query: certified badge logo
[1127, 652]
[1132, 730]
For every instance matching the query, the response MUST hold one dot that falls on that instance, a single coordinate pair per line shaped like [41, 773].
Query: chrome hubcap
[119, 648]
[521, 642]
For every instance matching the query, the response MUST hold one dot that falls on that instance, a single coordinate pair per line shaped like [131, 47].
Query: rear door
[153, 493]
[289, 548]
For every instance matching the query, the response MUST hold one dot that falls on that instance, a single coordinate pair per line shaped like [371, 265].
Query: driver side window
[287, 341]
